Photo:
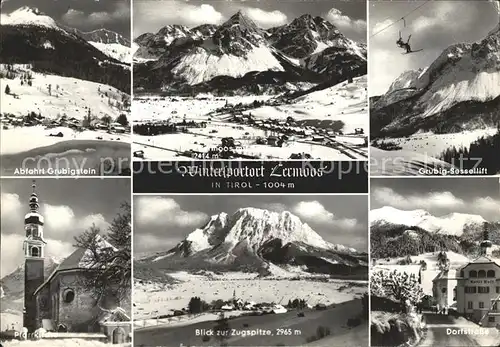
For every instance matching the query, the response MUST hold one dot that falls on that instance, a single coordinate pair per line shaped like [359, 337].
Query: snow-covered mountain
[451, 224]
[13, 283]
[110, 43]
[238, 52]
[29, 16]
[402, 87]
[253, 238]
[31, 37]
[115, 50]
[459, 91]
[308, 35]
[398, 233]
[104, 36]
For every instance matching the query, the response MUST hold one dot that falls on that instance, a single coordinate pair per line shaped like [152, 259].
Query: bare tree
[108, 257]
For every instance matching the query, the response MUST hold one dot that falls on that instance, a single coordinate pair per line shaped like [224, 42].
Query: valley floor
[154, 299]
[344, 103]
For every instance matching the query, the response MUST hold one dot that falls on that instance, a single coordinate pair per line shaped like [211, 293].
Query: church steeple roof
[34, 216]
[34, 205]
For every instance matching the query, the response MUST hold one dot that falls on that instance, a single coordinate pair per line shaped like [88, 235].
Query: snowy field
[54, 96]
[39, 136]
[156, 108]
[166, 147]
[152, 299]
[59, 343]
[402, 163]
[11, 319]
[344, 102]
[434, 144]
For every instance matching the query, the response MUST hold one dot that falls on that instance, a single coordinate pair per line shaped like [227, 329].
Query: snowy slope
[114, 50]
[451, 224]
[346, 102]
[404, 163]
[200, 65]
[68, 96]
[464, 77]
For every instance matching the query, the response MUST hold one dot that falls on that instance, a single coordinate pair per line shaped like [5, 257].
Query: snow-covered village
[437, 103]
[65, 92]
[435, 262]
[262, 268]
[241, 85]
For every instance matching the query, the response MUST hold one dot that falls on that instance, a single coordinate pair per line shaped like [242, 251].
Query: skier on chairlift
[405, 45]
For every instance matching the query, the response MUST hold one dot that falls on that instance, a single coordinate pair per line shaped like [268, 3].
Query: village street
[444, 330]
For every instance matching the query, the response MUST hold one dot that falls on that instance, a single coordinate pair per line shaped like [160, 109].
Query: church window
[490, 274]
[473, 273]
[35, 252]
[481, 274]
[69, 296]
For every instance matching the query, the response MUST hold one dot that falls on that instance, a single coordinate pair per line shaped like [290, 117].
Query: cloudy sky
[160, 222]
[434, 27]
[150, 16]
[86, 15]
[69, 207]
[439, 196]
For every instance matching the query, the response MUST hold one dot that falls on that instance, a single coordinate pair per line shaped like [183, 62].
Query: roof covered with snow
[80, 259]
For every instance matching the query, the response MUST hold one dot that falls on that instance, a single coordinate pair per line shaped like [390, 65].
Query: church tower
[486, 244]
[33, 247]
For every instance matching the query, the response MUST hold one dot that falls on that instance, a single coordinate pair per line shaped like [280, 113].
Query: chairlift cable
[401, 19]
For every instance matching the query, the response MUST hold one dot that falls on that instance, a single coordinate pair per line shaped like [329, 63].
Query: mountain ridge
[239, 54]
[251, 239]
[462, 73]
[398, 233]
[52, 49]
